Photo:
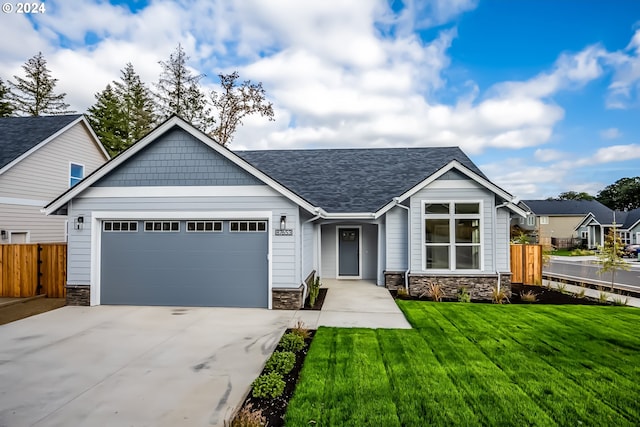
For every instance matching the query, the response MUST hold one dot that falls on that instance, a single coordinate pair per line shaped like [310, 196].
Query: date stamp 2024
[24, 8]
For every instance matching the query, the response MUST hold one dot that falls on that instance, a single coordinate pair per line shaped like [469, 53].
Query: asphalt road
[589, 270]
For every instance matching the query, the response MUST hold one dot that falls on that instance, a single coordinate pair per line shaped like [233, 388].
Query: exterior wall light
[283, 222]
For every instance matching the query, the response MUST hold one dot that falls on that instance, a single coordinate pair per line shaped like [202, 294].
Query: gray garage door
[185, 263]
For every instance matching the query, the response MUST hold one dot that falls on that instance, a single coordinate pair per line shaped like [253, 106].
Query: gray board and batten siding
[177, 159]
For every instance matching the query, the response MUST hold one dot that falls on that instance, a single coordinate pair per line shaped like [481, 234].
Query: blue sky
[543, 95]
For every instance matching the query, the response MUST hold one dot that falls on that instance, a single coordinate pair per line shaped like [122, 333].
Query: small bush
[281, 362]
[463, 295]
[434, 291]
[498, 296]
[619, 301]
[528, 296]
[602, 297]
[581, 294]
[301, 330]
[291, 342]
[268, 386]
[561, 287]
[402, 292]
[247, 417]
[580, 252]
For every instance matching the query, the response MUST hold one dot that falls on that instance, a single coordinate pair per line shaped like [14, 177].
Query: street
[589, 270]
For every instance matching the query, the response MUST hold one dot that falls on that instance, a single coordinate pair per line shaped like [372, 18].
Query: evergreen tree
[6, 108]
[136, 103]
[108, 121]
[178, 91]
[123, 112]
[34, 95]
[235, 102]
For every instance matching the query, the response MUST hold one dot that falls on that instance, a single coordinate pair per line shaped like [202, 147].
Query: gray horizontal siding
[41, 228]
[396, 236]
[285, 253]
[177, 159]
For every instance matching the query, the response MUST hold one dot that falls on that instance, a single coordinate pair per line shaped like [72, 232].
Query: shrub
[529, 296]
[281, 362]
[499, 296]
[619, 301]
[602, 297]
[434, 291]
[268, 386]
[562, 287]
[402, 292]
[301, 330]
[291, 342]
[247, 417]
[581, 294]
[314, 290]
[463, 295]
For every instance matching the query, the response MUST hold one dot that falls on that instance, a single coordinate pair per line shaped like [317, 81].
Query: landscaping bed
[322, 294]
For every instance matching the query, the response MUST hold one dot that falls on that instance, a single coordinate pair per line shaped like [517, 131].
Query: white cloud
[611, 133]
[625, 84]
[548, 155]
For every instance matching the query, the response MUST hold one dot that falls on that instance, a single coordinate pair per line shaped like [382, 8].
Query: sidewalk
[592, 259]
[594, 293]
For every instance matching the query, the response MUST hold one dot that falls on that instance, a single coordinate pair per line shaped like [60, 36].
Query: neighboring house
[179, 220]
[555, 222]
[595, 226]
[40, 157]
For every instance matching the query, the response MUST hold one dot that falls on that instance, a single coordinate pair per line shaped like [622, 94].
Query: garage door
[185, 263]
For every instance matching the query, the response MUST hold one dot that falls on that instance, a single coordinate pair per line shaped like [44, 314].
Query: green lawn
[476, 364]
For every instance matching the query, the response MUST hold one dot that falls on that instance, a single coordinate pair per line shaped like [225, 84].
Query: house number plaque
[284, 232]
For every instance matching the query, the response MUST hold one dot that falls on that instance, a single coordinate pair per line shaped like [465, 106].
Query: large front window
[452, 236]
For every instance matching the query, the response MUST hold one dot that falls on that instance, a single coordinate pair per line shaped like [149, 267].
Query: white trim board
[96, 236]
[180, 191]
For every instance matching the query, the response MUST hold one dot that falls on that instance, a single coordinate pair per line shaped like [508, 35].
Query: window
[531, 220]
[204, 226]
[120, 226]
[452, 236]
[76, 173]
[162, 226]
[544, 220]
[584, 234]
[247, 226]
[625, 237]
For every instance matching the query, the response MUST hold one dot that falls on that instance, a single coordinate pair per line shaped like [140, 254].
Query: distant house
[555, 222]
[40, 157]
[178, 219]
[595, 226]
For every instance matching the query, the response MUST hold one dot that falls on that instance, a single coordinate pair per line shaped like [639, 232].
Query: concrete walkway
[593, 293]
[355, 304]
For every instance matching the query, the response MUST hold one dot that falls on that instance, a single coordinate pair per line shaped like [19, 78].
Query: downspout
[406, 273]
[495, 239]
[304, 284]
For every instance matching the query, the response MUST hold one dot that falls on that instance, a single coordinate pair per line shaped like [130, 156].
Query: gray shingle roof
[20, 134]
[629, 219]
[354, 180]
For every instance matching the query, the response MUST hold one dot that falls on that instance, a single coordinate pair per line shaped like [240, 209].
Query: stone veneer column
[78, 295]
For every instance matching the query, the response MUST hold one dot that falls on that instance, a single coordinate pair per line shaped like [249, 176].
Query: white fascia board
[586, 220]
[174, 121]
[454, 164]
[40, 145]
[349, 215]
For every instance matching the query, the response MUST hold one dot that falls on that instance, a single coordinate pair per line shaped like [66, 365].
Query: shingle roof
[567, 207]
[354, 180]
[20, 134]
[630, 218]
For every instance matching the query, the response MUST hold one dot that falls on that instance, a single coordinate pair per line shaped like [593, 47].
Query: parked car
[631, 251]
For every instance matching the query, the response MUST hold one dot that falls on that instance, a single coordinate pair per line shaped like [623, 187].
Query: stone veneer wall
[479, 286]
[286, 299]
[394, 279]
[78, 295]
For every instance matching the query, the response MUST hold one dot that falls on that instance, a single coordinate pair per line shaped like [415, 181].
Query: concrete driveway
[133, 366]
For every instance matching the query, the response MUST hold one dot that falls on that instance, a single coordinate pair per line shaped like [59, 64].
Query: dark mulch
[322, 293]
[543, 296]
[273, 410]
[13, 312]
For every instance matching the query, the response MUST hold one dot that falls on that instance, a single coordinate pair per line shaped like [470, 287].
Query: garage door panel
[185, 268]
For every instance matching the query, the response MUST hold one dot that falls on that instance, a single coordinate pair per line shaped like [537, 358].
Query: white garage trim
[99, 216]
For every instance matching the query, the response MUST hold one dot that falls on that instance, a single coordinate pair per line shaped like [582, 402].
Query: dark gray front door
[348, 252]
[176, 267]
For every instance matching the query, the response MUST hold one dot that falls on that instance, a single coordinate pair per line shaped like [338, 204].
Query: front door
[348, 252]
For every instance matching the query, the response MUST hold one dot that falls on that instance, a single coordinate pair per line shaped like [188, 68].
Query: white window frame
[544, 220]
[27, 234]
[248, 223]
[625, 237]
[171, 230]
[204, 226]
[128, 230]
[584, 234]
[71, 177]
[531, 220]
[452, 216]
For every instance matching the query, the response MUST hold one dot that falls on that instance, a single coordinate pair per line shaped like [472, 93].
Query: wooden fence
[526, 264]
[27, 270]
